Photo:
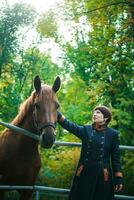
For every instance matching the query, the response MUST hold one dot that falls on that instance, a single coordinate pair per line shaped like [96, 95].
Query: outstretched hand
[60, 117]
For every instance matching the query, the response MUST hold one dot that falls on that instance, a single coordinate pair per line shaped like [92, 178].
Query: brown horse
[19, 156]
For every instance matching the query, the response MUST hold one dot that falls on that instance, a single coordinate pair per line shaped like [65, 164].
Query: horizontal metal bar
[124, 197]
[60, 143]
[76, 144]
[126, 147]
[60, 191]
[20, 130]
[36, 188]
[51, 190]
[72, 144]
[16, 187]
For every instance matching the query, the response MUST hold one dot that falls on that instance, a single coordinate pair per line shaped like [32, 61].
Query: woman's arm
[70, 126]
[115, 154]
[116, 165]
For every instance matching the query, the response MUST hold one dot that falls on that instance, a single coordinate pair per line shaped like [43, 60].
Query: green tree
[11, 19]
[103, 58]
[17, 86]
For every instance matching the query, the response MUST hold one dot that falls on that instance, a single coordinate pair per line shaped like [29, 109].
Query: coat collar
[99, 127]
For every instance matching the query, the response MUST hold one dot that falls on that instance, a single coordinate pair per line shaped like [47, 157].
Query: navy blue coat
[100, 150]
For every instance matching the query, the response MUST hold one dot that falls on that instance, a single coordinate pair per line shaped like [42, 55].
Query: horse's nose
[47, 139]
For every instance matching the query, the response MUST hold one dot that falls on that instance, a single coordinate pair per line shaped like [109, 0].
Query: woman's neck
[99, 127]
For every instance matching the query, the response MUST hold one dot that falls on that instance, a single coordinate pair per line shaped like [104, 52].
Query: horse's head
[45, 111]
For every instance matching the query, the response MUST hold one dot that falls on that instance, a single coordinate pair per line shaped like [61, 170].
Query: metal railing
[52, 190]
[36, 137]
[60, 191]
[77, 144]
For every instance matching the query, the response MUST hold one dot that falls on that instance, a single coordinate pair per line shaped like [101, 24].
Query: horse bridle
[48, 124]
[53, 125]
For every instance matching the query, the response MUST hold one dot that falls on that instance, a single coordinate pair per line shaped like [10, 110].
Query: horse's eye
[37, 106]
[57, 105]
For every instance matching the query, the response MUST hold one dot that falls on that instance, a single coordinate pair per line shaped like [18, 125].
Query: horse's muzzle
[47, 139]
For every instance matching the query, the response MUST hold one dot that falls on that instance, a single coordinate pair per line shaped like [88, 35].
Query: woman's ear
[105, 119]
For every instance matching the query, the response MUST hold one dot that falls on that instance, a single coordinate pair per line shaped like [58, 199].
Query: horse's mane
[23, 109]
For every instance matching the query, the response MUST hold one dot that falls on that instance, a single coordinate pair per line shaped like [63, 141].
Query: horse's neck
[28, 123]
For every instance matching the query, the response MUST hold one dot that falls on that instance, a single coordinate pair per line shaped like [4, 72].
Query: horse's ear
[37, 84]
[56, 84]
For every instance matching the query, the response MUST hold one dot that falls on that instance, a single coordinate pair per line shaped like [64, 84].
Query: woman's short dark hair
[106, 112]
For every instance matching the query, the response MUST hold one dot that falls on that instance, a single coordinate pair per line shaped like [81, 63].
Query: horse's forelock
[47, 93]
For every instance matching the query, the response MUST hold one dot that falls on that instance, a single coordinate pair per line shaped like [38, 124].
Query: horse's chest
[23, 169]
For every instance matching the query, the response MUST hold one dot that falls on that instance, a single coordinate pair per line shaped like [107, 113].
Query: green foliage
[128, 170]
[15, 87]
[11, 19]
[9, 101]
[97, 68]
[47, 25]
[74, 100]
[58, 167]
[105, 63]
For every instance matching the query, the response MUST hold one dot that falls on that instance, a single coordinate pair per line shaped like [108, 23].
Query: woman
[99, 169]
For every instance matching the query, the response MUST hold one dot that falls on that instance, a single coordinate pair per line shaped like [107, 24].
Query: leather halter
[51, 124]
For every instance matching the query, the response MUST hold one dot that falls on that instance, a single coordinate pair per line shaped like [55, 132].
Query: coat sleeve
[73, 128]
[115, 154]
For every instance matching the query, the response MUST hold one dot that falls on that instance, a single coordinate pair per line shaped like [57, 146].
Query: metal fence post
[37, 195]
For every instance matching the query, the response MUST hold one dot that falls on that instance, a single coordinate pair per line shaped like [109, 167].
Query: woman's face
[98, 117]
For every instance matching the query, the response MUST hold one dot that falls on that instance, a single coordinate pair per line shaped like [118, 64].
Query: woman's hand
[60, 117]
[118, 182]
